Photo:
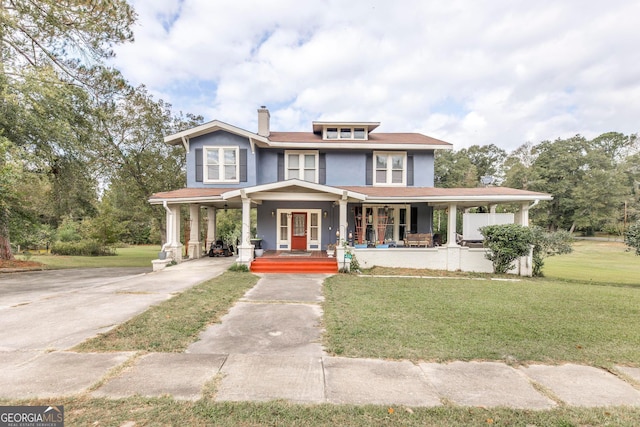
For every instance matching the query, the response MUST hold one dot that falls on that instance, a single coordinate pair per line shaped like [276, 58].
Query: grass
[591, 318]
[83, 411]
[134, 256]
[455, 319]
[596, 262]
[174, 324]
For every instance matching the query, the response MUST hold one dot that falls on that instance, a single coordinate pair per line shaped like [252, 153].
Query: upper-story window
[390, 168]
[221, 164]
[301, 165]
[345, 133]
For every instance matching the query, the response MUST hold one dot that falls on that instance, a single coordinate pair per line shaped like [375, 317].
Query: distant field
[134, 256]
[605, 262]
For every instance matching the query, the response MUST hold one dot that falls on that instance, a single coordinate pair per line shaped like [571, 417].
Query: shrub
[81, 248]
[507, 243]
[632, 237]
[244, 268]
[547, 244]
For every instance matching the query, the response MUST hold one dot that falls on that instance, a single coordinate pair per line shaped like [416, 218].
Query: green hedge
[82, 248]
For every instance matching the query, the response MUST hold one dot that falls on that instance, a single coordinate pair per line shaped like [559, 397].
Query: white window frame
[389, 176]
[352, 130]
[301, 154]
[285, 245]
[221, 165]
[396, 222]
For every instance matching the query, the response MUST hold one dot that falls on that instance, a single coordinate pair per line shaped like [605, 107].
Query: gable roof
[299, 140]
[376, 140]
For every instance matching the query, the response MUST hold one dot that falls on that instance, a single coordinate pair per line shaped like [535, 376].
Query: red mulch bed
[15, 263]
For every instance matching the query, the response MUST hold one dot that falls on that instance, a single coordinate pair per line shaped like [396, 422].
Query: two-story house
[341, 182]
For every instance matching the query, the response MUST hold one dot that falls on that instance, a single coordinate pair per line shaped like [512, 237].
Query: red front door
[299, 231]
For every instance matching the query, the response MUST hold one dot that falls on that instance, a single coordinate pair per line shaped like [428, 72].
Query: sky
[469, 72]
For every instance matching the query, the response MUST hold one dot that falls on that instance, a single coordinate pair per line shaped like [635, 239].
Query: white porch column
[195, 249]
[175, 245]
[245, 249]
[211, 227]
[342, 228]
[522, 216]
[451, 228]
[453, 249]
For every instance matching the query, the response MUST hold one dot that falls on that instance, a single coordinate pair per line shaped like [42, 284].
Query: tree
[546, 244]
[583, 176]
[632, 237]
[506, 244]
[454, 169]
[51, 52]
[138, 162]
[488, 161]
[519, 167]
[9, 175]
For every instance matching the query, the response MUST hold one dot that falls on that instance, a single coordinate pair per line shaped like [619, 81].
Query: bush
[632, 237]
[507, 243]
[81, 248]
[243, 268]
[547, 244]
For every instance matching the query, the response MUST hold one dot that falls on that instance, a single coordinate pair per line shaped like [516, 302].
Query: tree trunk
[5, 247]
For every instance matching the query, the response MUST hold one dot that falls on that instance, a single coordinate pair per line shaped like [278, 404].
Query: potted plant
[331, 250]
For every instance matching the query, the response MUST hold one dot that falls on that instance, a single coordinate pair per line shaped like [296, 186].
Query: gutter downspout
[535, 202]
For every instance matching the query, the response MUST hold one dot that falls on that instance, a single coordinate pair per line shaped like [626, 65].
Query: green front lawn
[454, 319]
[133, 256]
[140, 411]
[596, 262]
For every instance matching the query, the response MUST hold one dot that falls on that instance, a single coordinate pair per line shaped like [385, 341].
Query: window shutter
[199, 163]
[322, 169]
[243, 165]
[369, 170]
[410, 170]
[280, 166]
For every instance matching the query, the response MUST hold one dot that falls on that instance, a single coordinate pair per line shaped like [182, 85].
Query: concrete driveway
[56, 310]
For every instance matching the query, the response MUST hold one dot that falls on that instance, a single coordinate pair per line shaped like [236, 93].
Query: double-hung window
[302, 165]
[221, 164]
[390, 168]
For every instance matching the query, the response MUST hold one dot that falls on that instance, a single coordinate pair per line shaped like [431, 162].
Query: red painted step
[278, 265]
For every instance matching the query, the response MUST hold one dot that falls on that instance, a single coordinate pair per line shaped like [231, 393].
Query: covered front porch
[372, 223]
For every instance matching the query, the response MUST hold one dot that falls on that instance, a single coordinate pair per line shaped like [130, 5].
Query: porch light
[324, 214]
[386, 209]
[273, 213]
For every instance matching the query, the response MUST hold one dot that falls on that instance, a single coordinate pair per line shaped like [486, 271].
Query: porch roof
[465, 197]
[302, 190]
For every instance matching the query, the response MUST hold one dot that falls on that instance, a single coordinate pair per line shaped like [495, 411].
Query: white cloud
[506, 72]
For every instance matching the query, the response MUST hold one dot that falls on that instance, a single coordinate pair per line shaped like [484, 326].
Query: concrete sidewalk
[268, 347]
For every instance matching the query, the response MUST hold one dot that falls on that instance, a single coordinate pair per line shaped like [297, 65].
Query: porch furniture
[418, 239]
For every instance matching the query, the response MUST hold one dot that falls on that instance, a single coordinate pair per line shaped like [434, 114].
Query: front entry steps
[282, 262]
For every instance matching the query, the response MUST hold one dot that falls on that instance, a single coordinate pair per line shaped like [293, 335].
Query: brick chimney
[263, 121]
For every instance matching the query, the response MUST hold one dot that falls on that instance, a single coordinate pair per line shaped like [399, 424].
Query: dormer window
[349, 133]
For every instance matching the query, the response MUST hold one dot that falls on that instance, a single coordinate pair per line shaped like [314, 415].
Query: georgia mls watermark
[31, 416]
